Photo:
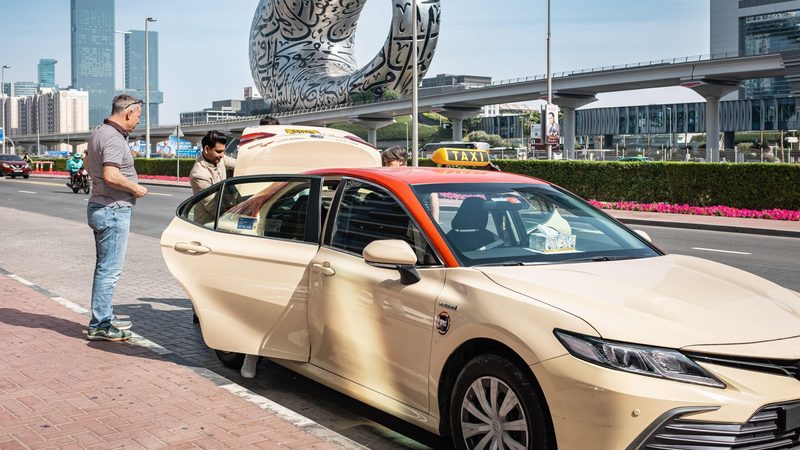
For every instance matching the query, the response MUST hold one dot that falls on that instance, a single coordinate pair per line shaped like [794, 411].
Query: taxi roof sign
[461, 157]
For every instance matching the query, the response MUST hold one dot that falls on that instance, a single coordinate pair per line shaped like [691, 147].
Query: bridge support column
[372, 124]
[457, 116]
[712, 91]
[712, 129]
[569, 102]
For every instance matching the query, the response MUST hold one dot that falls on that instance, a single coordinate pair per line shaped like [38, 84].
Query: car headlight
[6, 166]
[643, 360]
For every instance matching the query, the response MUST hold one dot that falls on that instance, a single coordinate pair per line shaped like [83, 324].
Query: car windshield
[10, 158]
[515, 224]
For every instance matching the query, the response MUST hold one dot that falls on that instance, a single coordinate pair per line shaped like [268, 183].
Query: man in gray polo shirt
[115, 190]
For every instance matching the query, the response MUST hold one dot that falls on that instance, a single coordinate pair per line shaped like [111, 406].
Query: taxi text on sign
[460, 157]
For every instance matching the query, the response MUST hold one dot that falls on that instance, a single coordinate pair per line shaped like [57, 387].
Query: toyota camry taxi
[491, 307]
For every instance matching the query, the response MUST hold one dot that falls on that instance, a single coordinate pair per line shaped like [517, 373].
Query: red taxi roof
[430, 175]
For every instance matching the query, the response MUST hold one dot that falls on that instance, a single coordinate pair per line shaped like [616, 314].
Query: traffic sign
[178, 131]
[1, 133]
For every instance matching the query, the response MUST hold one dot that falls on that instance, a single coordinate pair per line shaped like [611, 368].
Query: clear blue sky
[204, 57]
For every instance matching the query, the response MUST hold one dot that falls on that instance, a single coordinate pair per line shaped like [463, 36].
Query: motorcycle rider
[74, 164]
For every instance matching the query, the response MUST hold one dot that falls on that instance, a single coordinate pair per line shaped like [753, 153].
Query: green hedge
[143, 166]
[750, 185]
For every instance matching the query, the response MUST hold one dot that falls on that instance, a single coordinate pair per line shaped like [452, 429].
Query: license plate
[789, 417]
[17, 170]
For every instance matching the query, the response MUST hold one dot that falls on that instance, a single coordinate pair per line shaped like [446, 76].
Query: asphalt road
[775, 258]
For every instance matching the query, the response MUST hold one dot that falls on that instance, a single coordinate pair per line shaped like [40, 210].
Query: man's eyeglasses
[136, 102]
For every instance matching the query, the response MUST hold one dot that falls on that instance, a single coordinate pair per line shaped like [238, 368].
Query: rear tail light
[247, 138]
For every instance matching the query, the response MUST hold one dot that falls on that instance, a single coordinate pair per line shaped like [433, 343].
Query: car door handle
[324, 268]
[192, 248]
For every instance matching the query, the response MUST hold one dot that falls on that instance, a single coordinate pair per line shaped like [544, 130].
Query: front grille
[764, 431]
[784, 367]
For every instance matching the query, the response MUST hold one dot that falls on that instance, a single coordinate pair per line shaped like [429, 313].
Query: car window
[263, 208]
[202, 210]
[497, 223]
[272, 209]
[368, 213]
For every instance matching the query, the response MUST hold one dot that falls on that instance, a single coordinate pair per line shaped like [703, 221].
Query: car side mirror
[393, 254]
[644, 235]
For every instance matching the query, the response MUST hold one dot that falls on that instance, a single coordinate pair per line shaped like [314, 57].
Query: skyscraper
[47, 73]
[135, 67]
[92, 45]
[756, 27]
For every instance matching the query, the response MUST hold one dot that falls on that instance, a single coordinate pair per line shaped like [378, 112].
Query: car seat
[468, 228]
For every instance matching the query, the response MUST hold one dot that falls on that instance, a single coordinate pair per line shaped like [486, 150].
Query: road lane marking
[43, 183]
[26, 192]
[159, 193]
[720, 251]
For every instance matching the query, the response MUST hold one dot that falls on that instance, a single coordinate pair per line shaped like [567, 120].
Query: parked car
[14, 166]
[510, 315]
[635, 158]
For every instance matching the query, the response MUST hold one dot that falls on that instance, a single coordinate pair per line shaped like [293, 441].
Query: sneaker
[121, 324]
[109, 333]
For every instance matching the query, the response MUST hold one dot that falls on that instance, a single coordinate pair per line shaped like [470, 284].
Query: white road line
[158, 193]
[27, 192]
[720, 251]
[21, 280]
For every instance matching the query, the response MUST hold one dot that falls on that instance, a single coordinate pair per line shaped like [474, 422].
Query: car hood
[670, 301]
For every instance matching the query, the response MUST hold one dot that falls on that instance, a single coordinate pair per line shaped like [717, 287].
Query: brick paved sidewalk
[58, 390]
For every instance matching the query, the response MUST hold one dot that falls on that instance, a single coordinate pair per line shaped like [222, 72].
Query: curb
[711, 227]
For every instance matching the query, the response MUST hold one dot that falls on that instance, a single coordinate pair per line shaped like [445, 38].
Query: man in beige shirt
[210, 168]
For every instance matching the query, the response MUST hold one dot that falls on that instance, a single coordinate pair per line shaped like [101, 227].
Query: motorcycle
[81, 181]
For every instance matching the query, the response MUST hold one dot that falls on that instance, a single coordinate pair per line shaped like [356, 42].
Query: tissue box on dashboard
[551, 243]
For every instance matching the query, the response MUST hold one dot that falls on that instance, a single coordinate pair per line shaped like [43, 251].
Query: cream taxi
[494, 308]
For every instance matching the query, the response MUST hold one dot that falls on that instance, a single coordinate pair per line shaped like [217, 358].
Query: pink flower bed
[141, 177]
[723, 211]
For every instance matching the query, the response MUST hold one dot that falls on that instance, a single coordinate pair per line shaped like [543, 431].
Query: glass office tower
[134, 69]
[92, 45]
[47, 73]
[755, 27]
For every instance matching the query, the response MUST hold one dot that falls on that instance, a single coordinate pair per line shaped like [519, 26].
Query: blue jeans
[111, 225]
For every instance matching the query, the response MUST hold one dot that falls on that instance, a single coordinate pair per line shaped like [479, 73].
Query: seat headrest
[471, 215]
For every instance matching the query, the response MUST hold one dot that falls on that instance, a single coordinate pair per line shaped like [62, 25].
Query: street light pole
[3, 98]
[414, 87]
[147, 86]
[549, 80]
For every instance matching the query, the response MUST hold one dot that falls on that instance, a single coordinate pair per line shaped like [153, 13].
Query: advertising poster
[550, 124]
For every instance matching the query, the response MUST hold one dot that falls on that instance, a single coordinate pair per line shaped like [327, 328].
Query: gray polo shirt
[108, 146]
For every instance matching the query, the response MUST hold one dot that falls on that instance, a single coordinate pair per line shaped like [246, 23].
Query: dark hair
[269, 120]
[214, 137]
[395, 153]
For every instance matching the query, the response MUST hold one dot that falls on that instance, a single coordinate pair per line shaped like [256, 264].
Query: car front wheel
[495, 406]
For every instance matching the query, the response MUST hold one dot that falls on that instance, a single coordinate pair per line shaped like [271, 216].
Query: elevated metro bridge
[711, 76]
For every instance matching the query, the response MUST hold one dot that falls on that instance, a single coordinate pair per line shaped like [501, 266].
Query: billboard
[172, 145]
[550, 124]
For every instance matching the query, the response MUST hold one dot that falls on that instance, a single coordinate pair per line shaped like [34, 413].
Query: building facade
[135, 69]
[92, 54]
[52, 111]
[755, 27]
[47, 73]
[207, 116]
[23, 88]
